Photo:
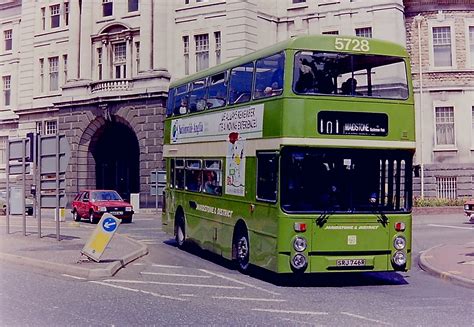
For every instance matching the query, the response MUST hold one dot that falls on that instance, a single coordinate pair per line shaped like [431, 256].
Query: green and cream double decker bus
[296, 158]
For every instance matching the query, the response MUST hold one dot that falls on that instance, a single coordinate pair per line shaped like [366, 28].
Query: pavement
[453, 262]
[64, 256]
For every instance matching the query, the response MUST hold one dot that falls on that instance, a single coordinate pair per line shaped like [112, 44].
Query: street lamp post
[418, 19]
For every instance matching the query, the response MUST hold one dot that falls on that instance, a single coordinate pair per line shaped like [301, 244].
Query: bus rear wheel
[242, 248]
[180, 233]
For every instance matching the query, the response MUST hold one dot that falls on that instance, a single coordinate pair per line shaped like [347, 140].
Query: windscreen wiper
[322, 219]
[381, 217]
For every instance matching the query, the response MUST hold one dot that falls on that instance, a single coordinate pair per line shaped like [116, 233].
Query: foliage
[437, 202]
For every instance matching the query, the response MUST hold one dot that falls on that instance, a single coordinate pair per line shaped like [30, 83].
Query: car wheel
[242, 248]
[180, 233]
[75, 215]
[127, 220]
[92, 220]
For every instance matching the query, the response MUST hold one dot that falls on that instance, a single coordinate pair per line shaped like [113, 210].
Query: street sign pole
[156, 188]
[23, 184]
[7, 196]
[37, 178]
[58, 236]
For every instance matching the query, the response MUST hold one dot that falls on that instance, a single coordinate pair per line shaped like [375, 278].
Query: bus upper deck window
[269, 76]
[346, 74]
[241, 83]
[170, 103]
[181, 100]
[217, 91]
[197, 96]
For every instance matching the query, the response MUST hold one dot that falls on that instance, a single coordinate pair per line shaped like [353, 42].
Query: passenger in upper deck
[349, 87]
[306, 78]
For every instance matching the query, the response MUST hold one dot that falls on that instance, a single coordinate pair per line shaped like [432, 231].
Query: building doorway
[116, 153]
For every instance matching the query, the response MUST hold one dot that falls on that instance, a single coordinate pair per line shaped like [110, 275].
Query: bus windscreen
[346, 74]
[345, 180]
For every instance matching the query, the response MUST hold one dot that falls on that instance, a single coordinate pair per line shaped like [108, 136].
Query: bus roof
[303, 42]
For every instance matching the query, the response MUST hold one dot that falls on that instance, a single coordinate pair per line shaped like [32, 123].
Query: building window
[6, 90]
[39, 127]
[8, 40]
[132, 5]
[137, 56]
[471, 44]
[120, 60]
[446, 187]
[43, 18]
[299, 1]
[218, 38]
[53, 74]
[442, 46]
[54, 10]
[107, 8]
[99, 63]
[186, 54]
[66, 13]
[65, 68]
[444, 125]
[364, 32]
[202, 51]
[41, 81]
[50, 127]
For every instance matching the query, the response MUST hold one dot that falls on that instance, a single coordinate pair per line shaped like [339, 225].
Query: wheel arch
[179, 214]
[240, 226]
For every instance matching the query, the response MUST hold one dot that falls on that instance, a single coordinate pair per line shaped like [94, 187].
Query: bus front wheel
[242, 248]
[180, 233]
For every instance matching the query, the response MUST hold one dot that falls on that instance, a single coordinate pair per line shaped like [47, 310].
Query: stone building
[440, 39]
[98, 71]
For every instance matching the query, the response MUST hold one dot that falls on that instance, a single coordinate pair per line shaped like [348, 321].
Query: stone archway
[110, 157]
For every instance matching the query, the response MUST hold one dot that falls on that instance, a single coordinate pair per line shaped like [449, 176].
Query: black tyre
[92, 220]
[75, 215]
[180, 233]
[127, 220]
[242, 250]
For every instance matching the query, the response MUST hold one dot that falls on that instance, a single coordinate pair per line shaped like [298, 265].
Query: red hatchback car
[92, 204]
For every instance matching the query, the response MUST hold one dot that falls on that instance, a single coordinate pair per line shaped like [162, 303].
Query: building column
[85, 71]
[105, 60]
[146, 35]
[160, 14]
[74, 41]
[128, 51]
[241, 26]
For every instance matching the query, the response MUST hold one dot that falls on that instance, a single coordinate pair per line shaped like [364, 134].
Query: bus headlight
[399, 243]
[299, 261]
[299, 244]
[399, 258]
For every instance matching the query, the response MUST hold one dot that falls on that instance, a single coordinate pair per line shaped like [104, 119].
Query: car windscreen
[345, 180]
[106, 196]
[344, 74]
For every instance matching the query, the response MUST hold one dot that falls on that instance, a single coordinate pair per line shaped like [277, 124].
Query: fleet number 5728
[351, 44]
